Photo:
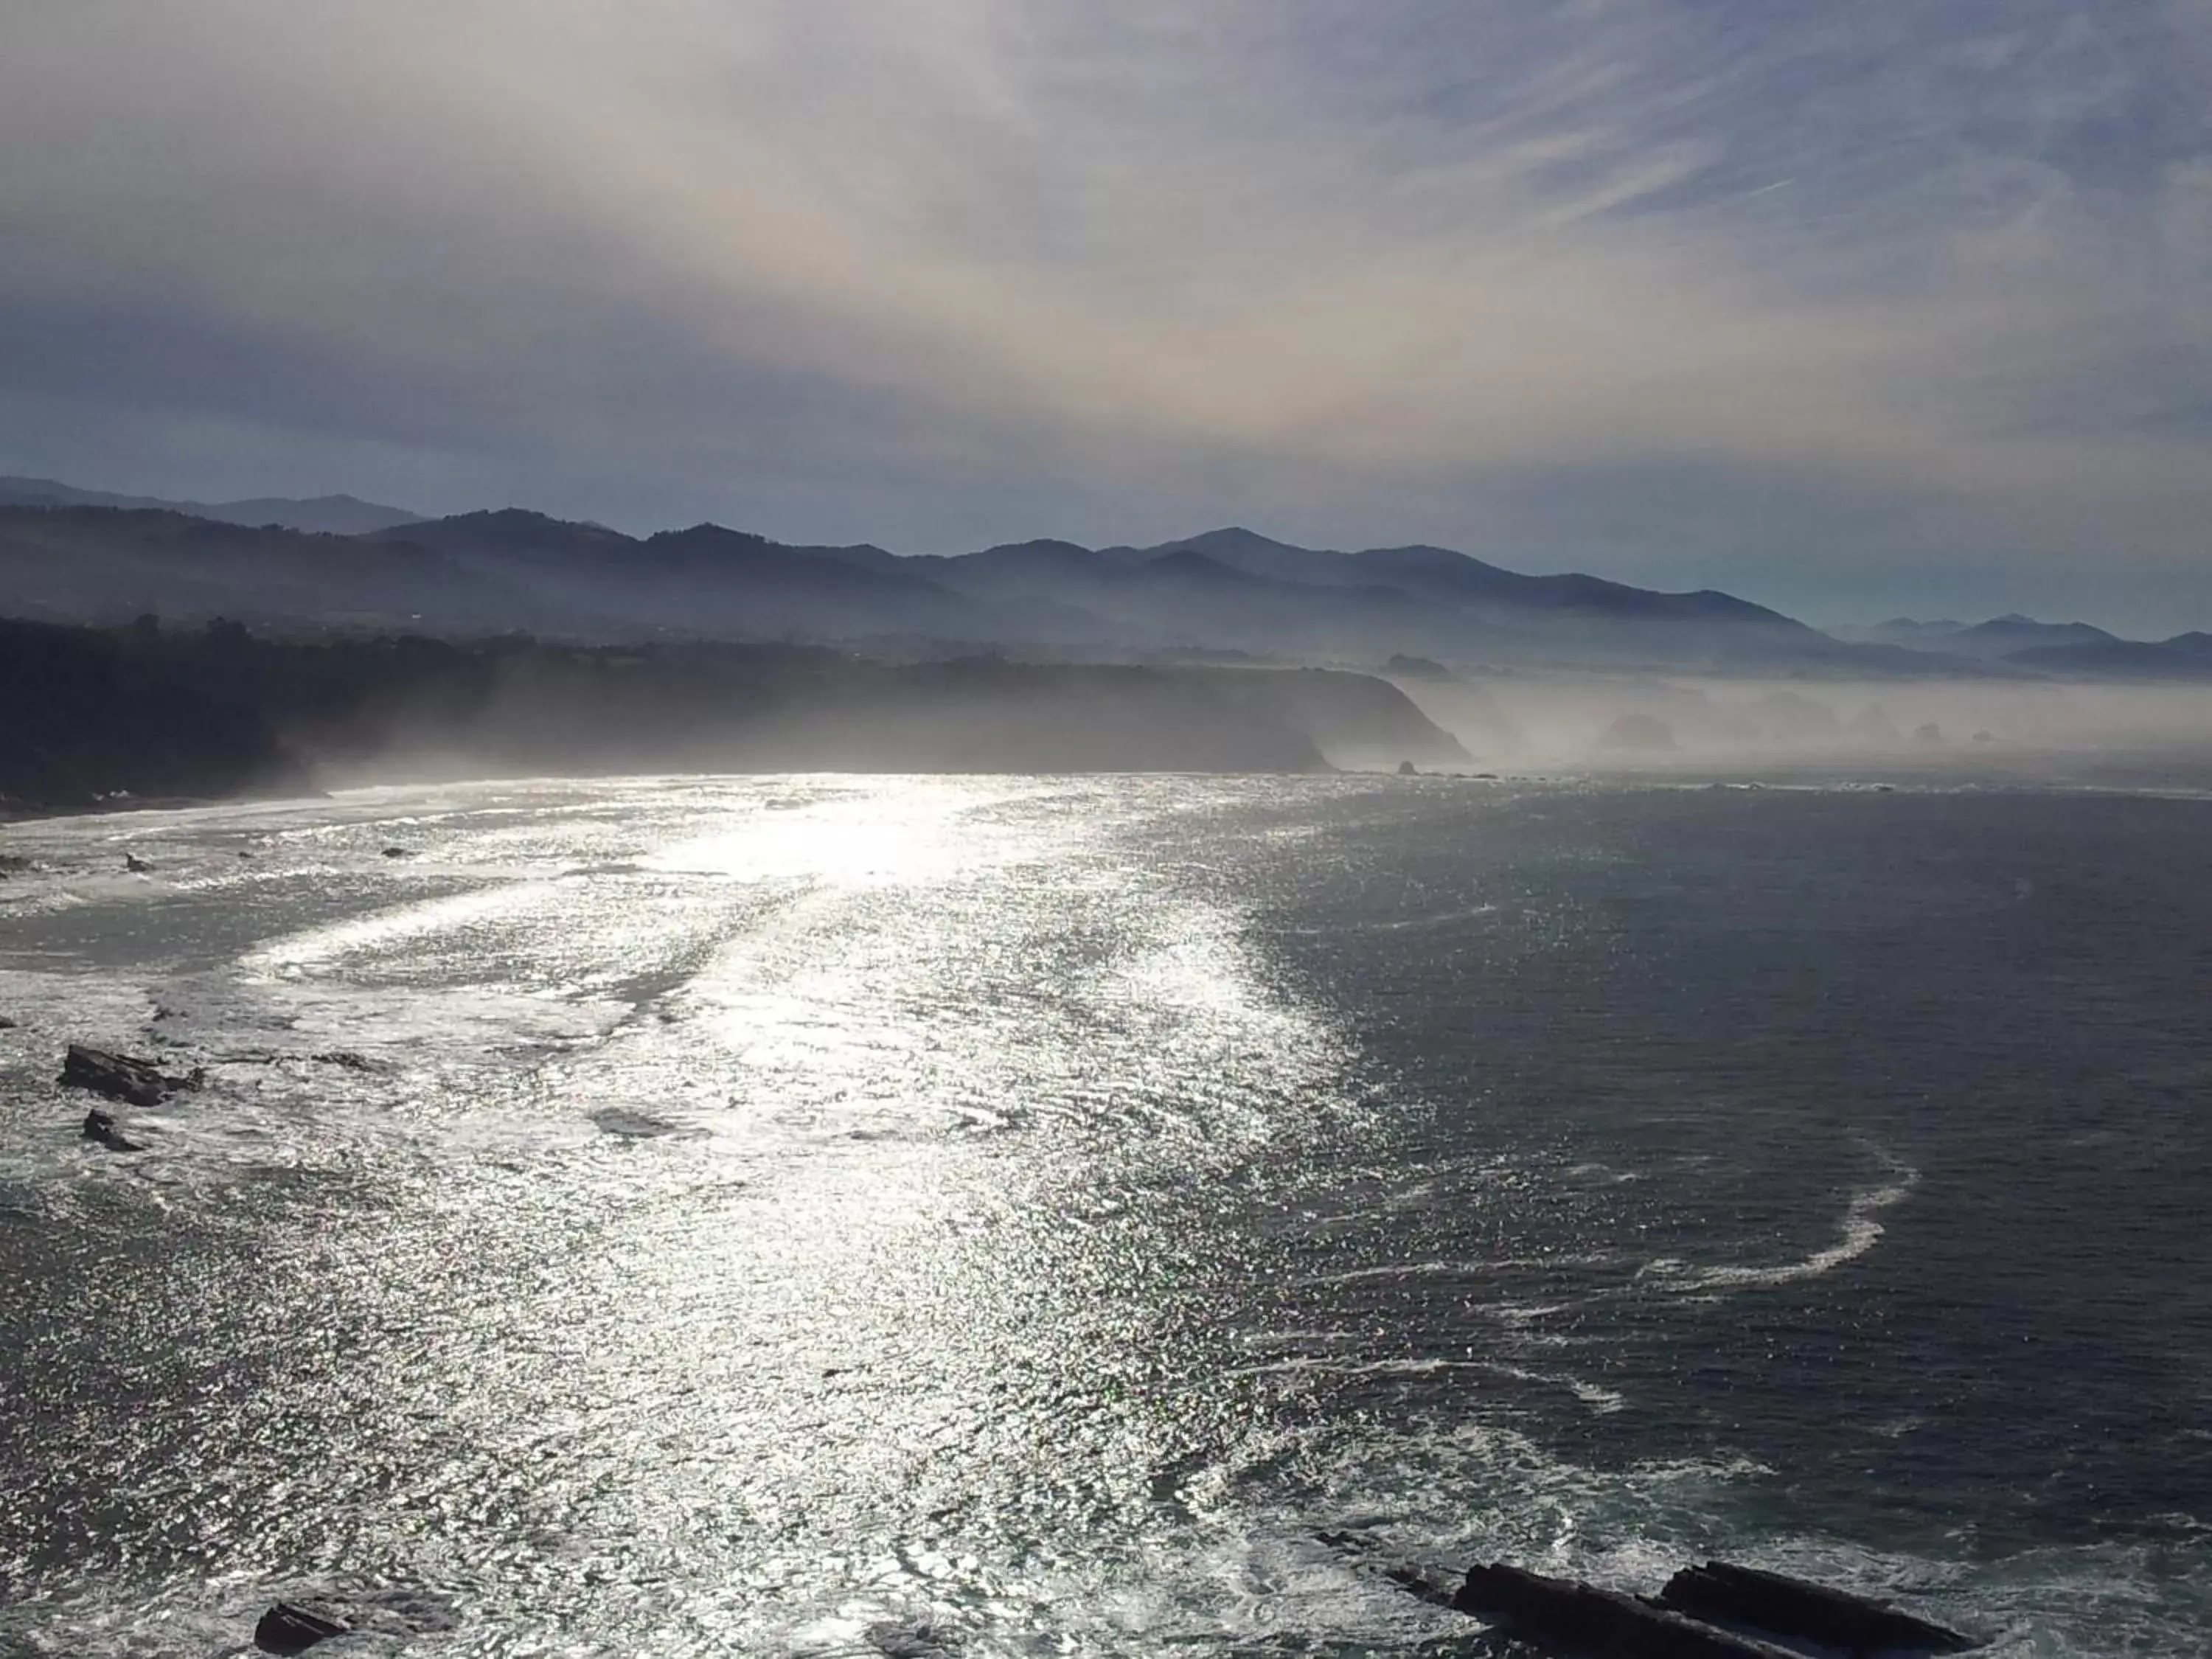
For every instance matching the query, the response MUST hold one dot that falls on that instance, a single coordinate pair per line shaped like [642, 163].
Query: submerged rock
[120, 1077]
[896, 1639]
[288, 1627]
[100, 1126]
[632, 1125]
[1363, 1547]
[1575, 1617]
[1791, 1607]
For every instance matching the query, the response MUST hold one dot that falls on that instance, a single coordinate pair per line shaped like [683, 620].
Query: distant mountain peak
[1052, 545]
[514, 516]
[504, 526]
[708, 531]
[339, 515]
[1235, 535]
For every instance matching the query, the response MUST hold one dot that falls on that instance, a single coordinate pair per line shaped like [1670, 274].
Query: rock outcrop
[288, 1628]
[1789, 1607]
[101, 1127]
[120, 1077]
[1357, 720]
[1581, 1618]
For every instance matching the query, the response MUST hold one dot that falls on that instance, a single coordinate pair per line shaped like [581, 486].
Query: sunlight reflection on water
[839, 1216]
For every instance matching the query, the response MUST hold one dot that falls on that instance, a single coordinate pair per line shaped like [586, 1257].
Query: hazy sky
[1854, 307]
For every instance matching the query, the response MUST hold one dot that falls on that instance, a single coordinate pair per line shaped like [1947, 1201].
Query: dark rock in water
[100, 1126]
[136, 864]
[1581, 1619]
[6, 1024]
[345, 1057]
[121, 1077]
[632, 1125]
[398, 853]
[1419, 1585]
[895, 1640]
[1789, 1607]
[288, 1627]
[1408, 769]
[1361, 1547]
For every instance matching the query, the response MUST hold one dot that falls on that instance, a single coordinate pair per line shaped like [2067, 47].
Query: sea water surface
[1036, 1216]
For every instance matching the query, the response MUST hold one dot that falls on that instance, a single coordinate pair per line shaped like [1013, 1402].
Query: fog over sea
[912, 1216]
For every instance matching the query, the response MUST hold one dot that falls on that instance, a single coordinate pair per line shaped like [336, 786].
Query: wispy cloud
[1676, 287]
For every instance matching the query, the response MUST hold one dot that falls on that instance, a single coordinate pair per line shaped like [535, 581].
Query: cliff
[156, 712]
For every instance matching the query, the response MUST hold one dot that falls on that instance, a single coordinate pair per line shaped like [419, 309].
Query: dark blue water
[820, 1216]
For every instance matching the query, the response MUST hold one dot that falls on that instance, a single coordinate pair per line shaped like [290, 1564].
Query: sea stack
[119, 1076]
[1791, 1607]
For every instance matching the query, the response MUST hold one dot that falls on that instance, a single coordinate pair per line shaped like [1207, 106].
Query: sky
[1863, 309]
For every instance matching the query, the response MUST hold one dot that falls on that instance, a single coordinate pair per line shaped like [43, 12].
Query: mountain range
[2067, 649]
[81, 555]
[341, 515]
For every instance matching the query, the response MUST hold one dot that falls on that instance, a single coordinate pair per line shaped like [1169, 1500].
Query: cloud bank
[1835, 306]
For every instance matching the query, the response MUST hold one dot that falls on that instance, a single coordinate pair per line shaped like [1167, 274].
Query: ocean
[922, 1216]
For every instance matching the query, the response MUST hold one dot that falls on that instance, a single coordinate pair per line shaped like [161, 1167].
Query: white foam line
[1365, 1367]
[1603, 1401]
[319, 946]
[1403, 924]
[1862, 1229]
[1436, 919]
[1395, 1270]
[1441, 1268]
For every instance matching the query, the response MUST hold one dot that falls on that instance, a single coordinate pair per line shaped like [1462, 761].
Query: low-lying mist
[147, 712]
[1692, 724]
